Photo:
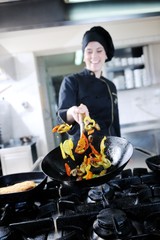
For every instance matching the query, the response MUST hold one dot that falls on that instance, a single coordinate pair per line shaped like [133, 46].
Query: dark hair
[99, 34]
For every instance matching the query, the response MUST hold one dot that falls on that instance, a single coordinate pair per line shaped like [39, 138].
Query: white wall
[63, 39]
[24, 98]
[139, 105]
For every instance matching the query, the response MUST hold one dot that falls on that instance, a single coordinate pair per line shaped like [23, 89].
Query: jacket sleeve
[67, 98]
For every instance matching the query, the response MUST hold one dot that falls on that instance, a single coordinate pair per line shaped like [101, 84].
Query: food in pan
[82, 144]
[62, 128]
[94, 162]
[90, 125]
[18, 187]
[67, 149]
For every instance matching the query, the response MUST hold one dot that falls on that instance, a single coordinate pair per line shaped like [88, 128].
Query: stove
[127, 207]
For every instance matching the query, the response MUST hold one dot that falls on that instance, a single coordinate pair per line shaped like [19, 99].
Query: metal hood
[33, 14]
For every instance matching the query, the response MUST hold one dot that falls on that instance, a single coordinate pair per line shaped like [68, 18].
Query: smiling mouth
[95, 62]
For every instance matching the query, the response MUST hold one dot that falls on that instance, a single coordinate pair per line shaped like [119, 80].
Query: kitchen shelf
[128, 68]
[122, 68]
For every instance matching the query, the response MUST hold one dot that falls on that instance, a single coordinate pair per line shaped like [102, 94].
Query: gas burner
[32, 229]
[18, 212]
[112, 224]
[101, 193]
[126, 207]
[5, 233]
[152, 224]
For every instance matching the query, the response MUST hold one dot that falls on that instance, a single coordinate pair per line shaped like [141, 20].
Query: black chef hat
[99, 34]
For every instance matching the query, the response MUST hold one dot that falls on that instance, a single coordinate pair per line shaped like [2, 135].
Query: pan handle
[37, 164]
[144, 151]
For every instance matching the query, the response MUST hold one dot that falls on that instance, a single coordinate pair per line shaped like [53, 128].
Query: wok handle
[144, 151]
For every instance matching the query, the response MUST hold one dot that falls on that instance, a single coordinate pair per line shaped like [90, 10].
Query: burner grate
[63, 213]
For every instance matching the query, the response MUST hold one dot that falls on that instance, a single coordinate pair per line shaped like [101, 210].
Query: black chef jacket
[100, 97]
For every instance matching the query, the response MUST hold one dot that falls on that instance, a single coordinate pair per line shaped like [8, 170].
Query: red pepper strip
[82, 144]
[94, 151]
[68, 169]
[94, 156]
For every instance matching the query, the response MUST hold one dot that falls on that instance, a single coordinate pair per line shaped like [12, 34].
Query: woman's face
[94, 57]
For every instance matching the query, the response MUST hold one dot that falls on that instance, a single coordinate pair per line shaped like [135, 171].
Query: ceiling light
[4, 1]
[78, 1]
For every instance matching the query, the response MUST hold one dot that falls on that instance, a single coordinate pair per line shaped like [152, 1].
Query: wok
[38, 177]
[153, 163]
[118, 150]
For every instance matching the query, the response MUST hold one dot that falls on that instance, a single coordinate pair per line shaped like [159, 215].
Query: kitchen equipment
[17, 157]
[38, 177]
[26, 139]
[111, 223]
[153, 163]
[128, 206]
[118, 151]
[152, 223]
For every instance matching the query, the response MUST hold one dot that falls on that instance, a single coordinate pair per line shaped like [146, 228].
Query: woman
[88, 92]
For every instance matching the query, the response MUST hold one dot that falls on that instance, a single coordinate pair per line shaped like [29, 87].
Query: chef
[89, 93]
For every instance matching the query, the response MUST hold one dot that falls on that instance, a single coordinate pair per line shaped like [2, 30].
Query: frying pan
[118, 151]
[38, 177]
[153, 163]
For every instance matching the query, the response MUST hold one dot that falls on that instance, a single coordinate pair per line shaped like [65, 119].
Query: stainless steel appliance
[125, 208]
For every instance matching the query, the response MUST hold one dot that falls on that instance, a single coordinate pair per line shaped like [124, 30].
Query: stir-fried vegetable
[68, 169]
[96, 160]
[66, 149]
[82, 144]
[92, 160]
[62, 128]
[90, 125]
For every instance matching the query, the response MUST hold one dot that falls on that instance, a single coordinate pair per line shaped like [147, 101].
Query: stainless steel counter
[140, 126]
[145, 136]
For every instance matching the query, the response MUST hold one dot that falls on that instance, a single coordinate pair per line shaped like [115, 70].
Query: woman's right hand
[77, 113]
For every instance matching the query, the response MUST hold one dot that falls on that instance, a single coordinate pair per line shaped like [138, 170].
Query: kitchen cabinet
[128, 68]
[16, 159]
